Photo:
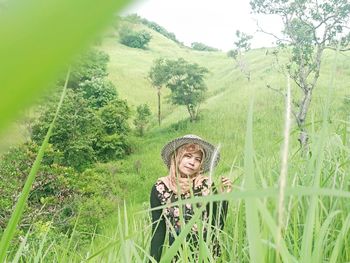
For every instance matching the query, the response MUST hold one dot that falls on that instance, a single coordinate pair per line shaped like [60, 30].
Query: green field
[316, 209]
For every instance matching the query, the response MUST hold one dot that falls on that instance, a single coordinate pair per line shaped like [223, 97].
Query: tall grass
[22, 200]
[313, 194]
[38, 40]
[250, 231]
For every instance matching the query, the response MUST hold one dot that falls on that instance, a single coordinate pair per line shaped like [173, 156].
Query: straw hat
[210, 150]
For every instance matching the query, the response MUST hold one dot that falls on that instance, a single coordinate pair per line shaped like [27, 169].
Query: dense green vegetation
[135, 39]
[185, 81]
[93, 123]
[134, 18]
[250, 156]
[202, 47]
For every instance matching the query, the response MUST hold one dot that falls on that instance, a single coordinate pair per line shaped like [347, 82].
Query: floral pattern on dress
[172, 212]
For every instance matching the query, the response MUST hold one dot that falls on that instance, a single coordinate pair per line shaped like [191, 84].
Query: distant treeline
[134, 18]
[202, 47]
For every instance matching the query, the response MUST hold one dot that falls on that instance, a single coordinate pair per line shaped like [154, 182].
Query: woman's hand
[226, 185]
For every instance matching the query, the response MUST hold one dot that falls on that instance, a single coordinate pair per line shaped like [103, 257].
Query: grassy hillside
[311, 214]
[224, 122]
[224, 113]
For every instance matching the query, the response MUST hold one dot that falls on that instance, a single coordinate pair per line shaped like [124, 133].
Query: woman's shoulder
[160, 185]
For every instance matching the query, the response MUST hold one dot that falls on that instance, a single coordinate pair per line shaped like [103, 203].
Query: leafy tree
[186, 82]
[74, 131]
[58, 195]
[310, 27]
[241, 46]
[143, 114]
[114, 117]
[88, 66]
[52, 186]
[135, 18]
[112, 141]
[158, 76]
[98, 92]
[135, 39]
[93, 123]
[202, 47]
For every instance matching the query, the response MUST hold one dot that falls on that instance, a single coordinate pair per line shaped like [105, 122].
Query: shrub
[134, 18]
[134, 39]
[92, 122]
[202, 47]
[143, 114]
[50, 192]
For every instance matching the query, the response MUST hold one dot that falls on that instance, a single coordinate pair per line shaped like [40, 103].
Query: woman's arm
[158, 226]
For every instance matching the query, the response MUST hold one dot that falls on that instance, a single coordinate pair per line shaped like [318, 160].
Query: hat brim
[212, 155]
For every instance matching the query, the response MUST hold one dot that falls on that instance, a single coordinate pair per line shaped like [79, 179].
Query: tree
[158, 76]
[241, 46]
[186, 82]
[93, 123]
[310, 27]
[135, 39]
[202, 47]
[98, 91]
[143, 114]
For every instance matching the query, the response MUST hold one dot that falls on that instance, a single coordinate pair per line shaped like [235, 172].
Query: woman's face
[190, 164]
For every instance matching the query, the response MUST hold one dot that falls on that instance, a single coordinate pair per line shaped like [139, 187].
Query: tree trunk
[158, 105]
[189, 109]
[241, 63]
[141, 130]
[301, 117]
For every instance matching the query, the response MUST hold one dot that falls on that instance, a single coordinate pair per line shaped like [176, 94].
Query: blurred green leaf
[38, 41]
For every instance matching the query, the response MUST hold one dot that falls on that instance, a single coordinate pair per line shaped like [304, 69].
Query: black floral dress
[168, 219]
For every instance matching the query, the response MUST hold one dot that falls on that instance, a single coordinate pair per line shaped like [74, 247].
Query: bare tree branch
[260, 29]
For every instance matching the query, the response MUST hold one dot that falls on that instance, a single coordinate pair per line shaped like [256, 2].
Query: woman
[187, 158]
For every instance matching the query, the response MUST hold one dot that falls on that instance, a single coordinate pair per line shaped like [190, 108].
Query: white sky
[212, 22]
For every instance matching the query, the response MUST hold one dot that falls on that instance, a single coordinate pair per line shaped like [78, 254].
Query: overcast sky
[212, 22]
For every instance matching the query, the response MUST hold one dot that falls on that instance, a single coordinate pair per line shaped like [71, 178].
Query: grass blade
[21, 248]
[252, 217]
[170, 253]
[315, 167]
[339, 241]
[17, 213]
[284, 168]
[321, 238]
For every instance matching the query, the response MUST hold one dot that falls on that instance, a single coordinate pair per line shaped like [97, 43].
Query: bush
[98, 92]
[134, 18]
[134, 39]
[51, 191]
[111, 147]
[202, 47]
[90, 65]
[92, 122]
[114, 117]
[57, 196]
[143, 114]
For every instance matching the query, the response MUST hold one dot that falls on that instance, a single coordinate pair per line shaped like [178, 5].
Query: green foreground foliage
[316, 198]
